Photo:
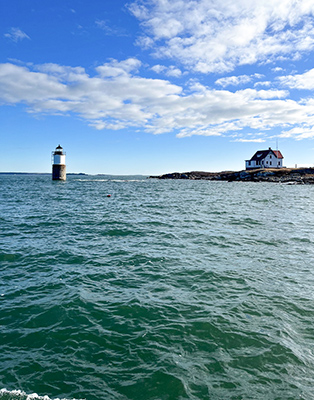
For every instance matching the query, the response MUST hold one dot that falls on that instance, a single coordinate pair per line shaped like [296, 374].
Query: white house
[265, 159]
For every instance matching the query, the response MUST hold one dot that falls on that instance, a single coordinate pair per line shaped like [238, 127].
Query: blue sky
[155, 86]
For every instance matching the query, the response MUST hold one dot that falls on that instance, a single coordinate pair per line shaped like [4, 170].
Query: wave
[110, 180]
[20, 395]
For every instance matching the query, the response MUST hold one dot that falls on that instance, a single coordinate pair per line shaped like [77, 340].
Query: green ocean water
[165, 290]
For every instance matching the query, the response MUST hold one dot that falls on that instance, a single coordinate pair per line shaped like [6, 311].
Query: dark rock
[294, 176]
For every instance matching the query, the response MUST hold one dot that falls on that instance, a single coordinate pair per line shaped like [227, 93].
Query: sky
[155, 86]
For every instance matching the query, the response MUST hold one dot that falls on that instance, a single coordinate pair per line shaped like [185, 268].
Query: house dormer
[265, 159]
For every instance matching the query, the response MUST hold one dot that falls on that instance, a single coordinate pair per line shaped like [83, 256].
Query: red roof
[278, 154]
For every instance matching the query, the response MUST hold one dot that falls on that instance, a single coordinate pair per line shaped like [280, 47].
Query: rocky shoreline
[291, 176]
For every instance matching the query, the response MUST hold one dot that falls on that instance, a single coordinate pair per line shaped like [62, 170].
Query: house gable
[265, 159]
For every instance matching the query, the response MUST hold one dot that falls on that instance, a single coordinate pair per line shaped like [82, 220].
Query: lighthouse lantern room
[58, 164]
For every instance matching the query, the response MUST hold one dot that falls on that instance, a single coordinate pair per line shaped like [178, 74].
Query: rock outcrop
[292, 176]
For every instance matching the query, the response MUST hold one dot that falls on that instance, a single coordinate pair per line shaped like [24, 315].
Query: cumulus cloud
[115, 97]
[236, 80]
[277, 69]
[302, 81]
[116, 68]
[16, 34]
[159, 69]
[216, 36]
[233, 80]
[168, 71]
[262, 83]
[304, 131]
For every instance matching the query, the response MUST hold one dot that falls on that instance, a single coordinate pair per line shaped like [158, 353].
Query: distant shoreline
[292, 176]
[71, 174]
[39, 173]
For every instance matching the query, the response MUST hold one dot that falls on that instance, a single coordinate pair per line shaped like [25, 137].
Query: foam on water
[20, 395]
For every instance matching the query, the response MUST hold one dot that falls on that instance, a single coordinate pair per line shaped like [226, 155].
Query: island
[291, 176]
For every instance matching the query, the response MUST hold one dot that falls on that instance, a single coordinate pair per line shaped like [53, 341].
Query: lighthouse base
[59, 172]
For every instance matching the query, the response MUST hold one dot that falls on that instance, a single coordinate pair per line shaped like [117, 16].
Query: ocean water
[165, 290]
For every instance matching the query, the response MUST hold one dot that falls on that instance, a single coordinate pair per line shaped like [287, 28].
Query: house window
[270, 163]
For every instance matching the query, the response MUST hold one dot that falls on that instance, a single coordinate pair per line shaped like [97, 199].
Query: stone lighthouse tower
[58, 165]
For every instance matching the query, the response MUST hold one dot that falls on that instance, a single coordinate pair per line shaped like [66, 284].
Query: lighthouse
[58, 166]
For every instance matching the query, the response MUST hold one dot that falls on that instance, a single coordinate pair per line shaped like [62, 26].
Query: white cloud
[216, 36]
[174, 71]
[277, 69]
[115, 98]
[233, 80]
[301, 132]
[168, 71]
[115, 68]
[250, 140]
[303, 81]
[144, 42]
[62, 73]
[271, 94]
[19, 84]
[109, 29]
[159, 69]
[199, 132]
[15, 34]
[262, 83]
[237, 80]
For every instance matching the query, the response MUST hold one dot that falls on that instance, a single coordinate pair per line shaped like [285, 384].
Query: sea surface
[168, 289]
